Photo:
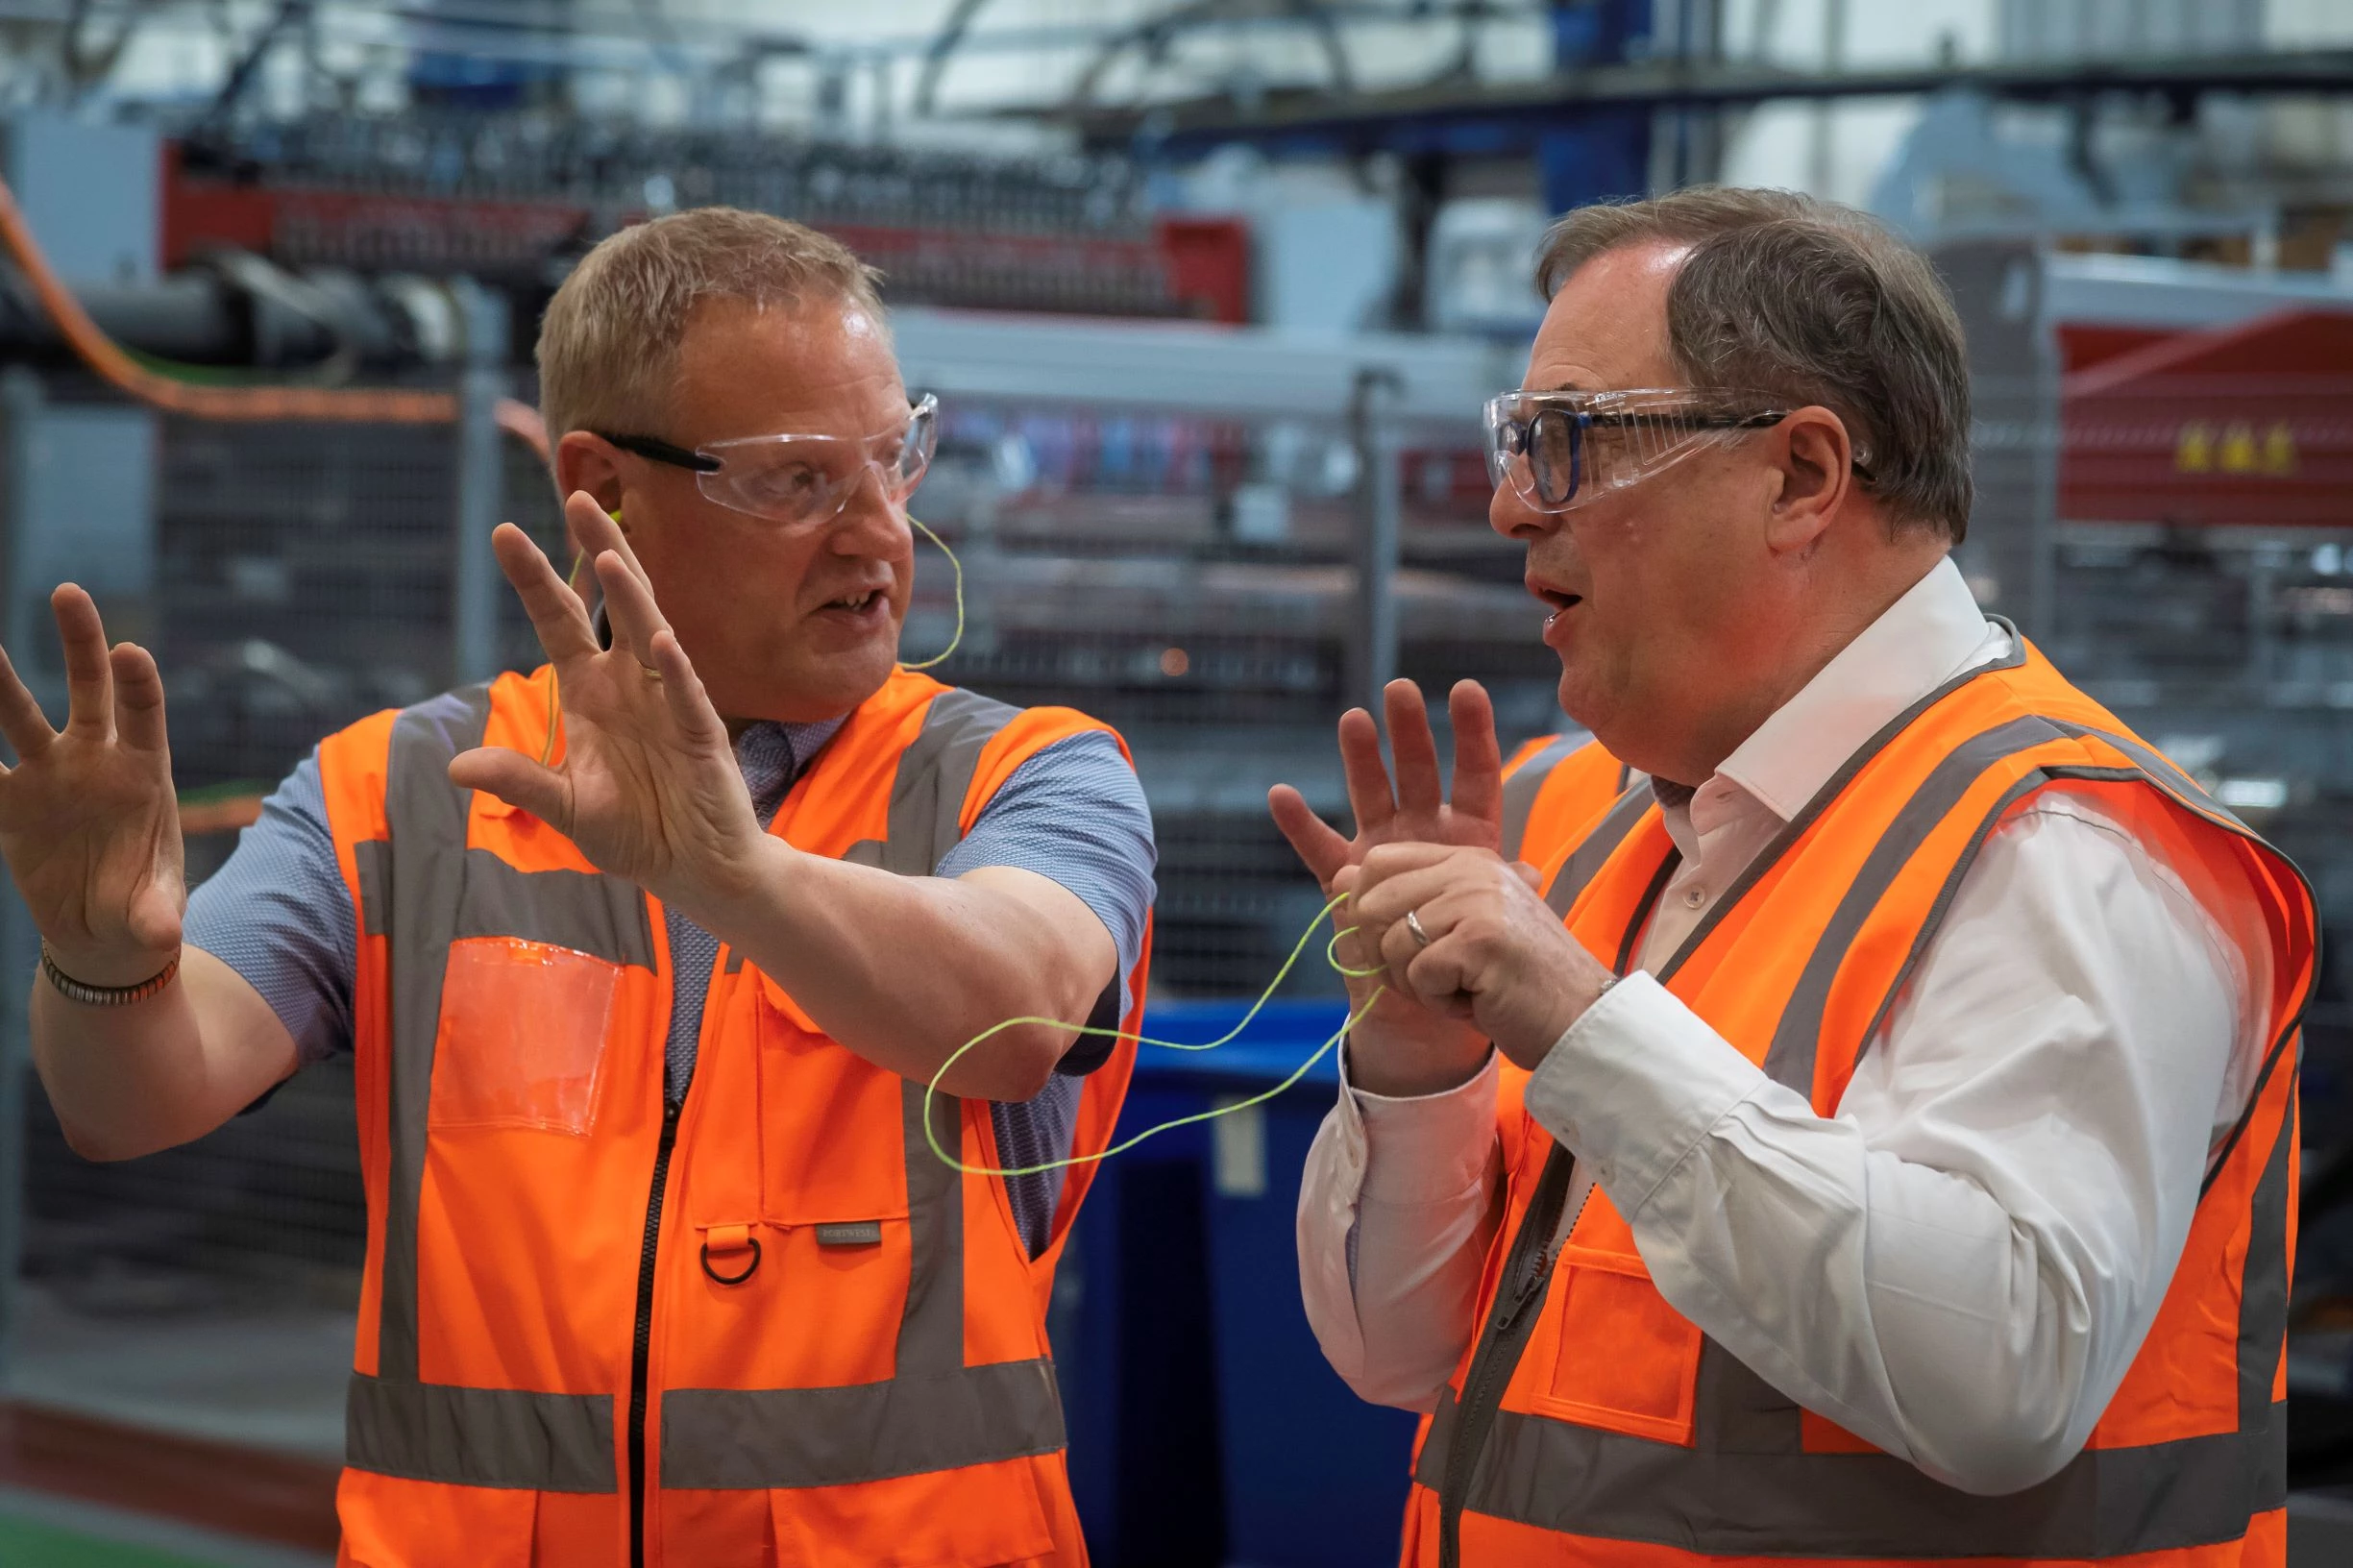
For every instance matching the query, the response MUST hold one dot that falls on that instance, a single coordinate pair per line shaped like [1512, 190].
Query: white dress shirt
[1986, 1227]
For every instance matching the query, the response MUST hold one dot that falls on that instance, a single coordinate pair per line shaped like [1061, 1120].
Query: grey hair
[1814, 303]
[608, 346]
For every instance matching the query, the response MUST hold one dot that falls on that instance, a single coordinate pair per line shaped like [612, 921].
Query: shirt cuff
[1425, 1148]
[1634, 1085]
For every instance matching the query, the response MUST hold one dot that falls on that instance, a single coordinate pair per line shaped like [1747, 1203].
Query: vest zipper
[640, 1349]
[1528, 1269]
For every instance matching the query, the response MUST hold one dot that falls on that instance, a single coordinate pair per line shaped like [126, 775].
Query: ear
[589, 462]
[1816, 462]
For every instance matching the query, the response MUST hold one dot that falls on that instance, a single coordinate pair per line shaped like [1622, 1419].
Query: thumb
[1528, 875]
[516, 779]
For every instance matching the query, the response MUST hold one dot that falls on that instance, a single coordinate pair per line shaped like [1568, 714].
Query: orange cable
[341, 404]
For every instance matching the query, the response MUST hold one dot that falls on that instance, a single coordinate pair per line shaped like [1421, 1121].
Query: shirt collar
[1932, 634]
[772, 755]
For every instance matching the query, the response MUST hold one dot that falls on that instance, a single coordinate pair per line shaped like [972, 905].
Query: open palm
[648, 786]
[1415, 809]
[88, 820]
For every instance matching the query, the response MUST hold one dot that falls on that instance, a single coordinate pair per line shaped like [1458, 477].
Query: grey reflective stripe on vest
[423, 888]
[1746, 1487]
[2104, 1503]
[2262, 1281]
[424, 818]
[934, 774]
[1790, 1059]
[1526, 783]
[480, 1437]
[1593, 851]
[934, 1413]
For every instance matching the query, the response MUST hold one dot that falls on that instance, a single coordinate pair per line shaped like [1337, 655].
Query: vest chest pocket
[522, 1038]
[832, 1203]
[1625, 1360]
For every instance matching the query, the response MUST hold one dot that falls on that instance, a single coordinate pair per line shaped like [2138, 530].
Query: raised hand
[88, 820]
[1401, 1048]
[648, 786]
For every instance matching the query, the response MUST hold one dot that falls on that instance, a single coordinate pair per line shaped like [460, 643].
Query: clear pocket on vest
[1626, 1361]
[521, 1041]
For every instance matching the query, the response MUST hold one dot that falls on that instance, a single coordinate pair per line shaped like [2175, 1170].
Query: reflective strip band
[912, 1424]
[1526, 783]
[935, 773]
[1790, 1059]
[2262, 1281]
[2104, 1503]
[1832, 788]
[1585, 861]
[426, 817]
[585, 911]
[372, 860]
[480, 1436]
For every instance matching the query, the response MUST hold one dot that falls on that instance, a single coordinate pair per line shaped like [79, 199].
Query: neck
[1816, 634]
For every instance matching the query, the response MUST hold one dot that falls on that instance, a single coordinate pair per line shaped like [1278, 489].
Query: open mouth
[1554, 598]
[855, 603]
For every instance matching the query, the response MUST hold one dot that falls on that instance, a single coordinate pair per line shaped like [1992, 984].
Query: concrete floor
[38, 1530]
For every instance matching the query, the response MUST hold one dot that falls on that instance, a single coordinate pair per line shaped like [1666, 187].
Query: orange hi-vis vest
[1556, 788]
[763, 1325]
[1591, 1424]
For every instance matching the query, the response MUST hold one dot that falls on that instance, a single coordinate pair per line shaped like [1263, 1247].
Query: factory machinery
[1214, 536]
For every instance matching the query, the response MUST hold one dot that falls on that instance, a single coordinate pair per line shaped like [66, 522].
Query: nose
[869, 523]
[1510, 516]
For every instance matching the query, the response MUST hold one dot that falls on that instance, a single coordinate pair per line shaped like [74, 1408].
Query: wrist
[1403, 1063]
[100, 986]
[742, 896]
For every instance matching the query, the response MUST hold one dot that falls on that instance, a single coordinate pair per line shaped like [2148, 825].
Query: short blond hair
[608, 346]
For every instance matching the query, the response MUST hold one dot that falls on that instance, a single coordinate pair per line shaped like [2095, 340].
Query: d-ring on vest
[537, 1325]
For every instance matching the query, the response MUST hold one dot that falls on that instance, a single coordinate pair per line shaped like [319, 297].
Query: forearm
[905, 970]
[127, 1081]
[1396, 1212]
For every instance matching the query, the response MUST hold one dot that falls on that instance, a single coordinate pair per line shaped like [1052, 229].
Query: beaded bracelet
[88, 996]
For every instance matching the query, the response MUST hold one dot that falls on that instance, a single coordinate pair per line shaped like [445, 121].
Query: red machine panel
[2248, 426]
[1197, 267]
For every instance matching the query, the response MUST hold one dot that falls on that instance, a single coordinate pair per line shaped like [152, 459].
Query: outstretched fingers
[1479, 757]
[138, 701]
[89, 682]
[1368, 776]
[1319, 847]
[689, 705]
[629, 607]
[21, 720]
[557, 615]
[1414, 749]
[520, 781]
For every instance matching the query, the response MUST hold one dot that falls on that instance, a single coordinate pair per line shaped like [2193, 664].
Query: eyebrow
[1563, 386]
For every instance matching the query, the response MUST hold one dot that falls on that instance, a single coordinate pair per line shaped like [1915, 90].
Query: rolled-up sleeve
[280, 914]
[1076, 815]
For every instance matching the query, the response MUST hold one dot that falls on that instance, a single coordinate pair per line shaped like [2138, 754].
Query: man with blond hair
[646, 960]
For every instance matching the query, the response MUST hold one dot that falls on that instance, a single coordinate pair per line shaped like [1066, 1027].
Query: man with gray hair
[696, 1232]
[1875, 1140]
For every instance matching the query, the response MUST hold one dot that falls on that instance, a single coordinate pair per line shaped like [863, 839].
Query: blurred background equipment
[1211, 293]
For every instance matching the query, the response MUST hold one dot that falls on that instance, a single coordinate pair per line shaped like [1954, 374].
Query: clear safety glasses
[801, 479]
[1564, 450]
